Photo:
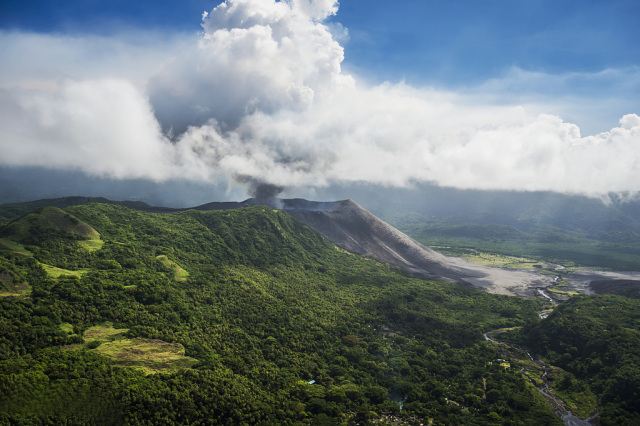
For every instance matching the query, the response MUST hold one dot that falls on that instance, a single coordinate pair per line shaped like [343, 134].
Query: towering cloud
[254, 56]
[260, 98]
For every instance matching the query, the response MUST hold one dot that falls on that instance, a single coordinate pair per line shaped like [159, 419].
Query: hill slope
[356, 230]
[270, 324]
[596, 339]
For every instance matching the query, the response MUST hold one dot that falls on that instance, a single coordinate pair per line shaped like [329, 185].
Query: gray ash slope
[351, 227]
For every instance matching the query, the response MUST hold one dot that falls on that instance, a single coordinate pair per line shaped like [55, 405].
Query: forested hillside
[115, 316]
[597, 340]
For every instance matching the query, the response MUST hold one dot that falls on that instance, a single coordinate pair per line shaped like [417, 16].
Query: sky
[220, 100]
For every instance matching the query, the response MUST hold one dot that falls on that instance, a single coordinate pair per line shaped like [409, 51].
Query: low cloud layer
[260, 99]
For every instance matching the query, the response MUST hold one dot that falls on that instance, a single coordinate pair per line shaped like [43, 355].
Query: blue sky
[465, 42]
[494, 94]
[438, 42]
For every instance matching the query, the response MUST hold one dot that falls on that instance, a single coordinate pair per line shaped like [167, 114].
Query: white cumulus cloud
[104, 127]
[261, 97]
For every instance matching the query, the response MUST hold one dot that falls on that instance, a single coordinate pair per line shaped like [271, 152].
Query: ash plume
[266, 191]
[263, 193]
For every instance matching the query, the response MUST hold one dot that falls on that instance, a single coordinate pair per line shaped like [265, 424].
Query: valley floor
[511, 281]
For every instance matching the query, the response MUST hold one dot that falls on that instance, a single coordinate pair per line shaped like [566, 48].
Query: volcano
[354, 229]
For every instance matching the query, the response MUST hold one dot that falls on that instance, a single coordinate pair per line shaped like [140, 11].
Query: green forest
[596, 340]
[111, 315]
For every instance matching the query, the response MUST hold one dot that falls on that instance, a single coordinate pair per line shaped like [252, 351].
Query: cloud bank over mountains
[260, 96]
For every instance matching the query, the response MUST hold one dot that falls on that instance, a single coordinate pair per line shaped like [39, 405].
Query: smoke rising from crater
[262, 193]
[260, 99]
[265, 191]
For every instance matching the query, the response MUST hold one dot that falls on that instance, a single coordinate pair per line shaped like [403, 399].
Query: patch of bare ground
[149, 355]
[582, 281]
[9, 288]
